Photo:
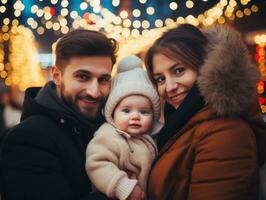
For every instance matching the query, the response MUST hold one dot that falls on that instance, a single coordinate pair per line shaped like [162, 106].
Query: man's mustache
[90, 98]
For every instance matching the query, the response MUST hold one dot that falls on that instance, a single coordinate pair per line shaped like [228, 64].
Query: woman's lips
[179, 96]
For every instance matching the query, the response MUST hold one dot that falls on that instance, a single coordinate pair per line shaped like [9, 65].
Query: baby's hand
[137, 194]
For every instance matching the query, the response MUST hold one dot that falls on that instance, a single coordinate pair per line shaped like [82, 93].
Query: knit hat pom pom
[129, 63]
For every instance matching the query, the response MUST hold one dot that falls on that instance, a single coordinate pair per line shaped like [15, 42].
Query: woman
[214, 137]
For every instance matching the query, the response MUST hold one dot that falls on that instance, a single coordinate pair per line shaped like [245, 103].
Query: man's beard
[72, 103]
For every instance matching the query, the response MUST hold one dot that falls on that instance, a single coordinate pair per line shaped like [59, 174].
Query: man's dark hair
[83, 42]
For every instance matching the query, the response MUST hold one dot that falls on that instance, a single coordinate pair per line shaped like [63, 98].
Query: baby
[119, 157]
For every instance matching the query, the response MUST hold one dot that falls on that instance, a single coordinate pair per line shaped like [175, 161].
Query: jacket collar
[177, 118]
[45, 101]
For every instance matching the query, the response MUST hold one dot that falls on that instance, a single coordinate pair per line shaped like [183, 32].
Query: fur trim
[228, 78]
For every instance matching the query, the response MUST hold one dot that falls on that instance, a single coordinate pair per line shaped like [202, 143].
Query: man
[44, 156]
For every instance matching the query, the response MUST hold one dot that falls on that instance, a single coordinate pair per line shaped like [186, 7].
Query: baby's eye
[125, 110]
[145, 112]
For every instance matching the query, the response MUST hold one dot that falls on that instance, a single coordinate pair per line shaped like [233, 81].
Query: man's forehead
[93, 65]
[91, 70]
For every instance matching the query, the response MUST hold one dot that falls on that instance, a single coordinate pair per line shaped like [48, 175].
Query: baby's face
[134, 115]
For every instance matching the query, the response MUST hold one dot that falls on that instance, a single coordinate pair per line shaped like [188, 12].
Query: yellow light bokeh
[73, 14]
[2, 9]
[143, 1]
[173, 5]
[54, 1]
[83, 6]
[64, 3]
[223, 2]
[3, 74]
[247, 11]
[254, 8]
[158, 23]
[64, 12]
[127, 23]
[116, 3]
[40, 30]
[5, 28]
[239, 14]
[5, 36]
[145, 24]
[150, 10]
[189, 4]
[136, 13]
[2, 67]
[64, 29]
[123, 14]
[6, 21]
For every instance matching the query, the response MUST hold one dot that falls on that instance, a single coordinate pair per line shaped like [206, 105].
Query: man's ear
[56, 75]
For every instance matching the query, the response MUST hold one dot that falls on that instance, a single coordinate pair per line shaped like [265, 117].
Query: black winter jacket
[43, 158]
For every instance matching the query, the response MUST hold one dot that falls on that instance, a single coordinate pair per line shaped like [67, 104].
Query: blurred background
[30, 28]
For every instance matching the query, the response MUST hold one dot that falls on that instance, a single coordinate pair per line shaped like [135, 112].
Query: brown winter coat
[216, 156]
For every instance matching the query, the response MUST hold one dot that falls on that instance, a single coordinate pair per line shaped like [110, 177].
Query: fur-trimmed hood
[228, 77]
[228, 81]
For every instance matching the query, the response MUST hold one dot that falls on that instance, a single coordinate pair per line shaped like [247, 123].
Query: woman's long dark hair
[185, 43]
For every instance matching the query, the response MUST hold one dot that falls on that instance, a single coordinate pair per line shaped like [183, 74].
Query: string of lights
[135, 28]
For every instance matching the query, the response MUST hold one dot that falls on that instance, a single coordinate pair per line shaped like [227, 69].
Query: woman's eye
[159, 79]
[179, 70]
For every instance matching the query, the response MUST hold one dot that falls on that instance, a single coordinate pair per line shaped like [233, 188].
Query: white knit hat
[131, 79]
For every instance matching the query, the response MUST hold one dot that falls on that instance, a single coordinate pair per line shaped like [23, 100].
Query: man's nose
[171, 85]
[93, 89]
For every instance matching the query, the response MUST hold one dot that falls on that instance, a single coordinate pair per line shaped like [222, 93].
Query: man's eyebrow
[107, 75]
[83, 71]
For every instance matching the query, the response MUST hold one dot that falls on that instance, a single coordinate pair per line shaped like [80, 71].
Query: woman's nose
[171, 85]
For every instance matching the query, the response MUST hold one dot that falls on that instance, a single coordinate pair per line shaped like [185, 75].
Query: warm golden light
[116, 3]
[247, 11]
[40, 30]
[127, 23]
[158, 23]
[123, 14]
[83, 6]
[23, 52]
[145, 24]
[136, 13]
[180, 20]
[73, 14]
[54, 1]
[189, 4]
[5, 28]
[136, 24]
[173, 5]
[254, 8]
[64, 3]
[142, 1]
[2, 9]
[39, 13]
[239, 14]
[34, 9]
[150, 10]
